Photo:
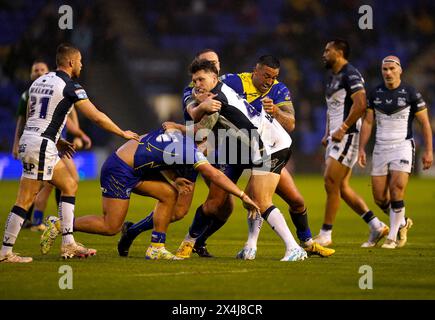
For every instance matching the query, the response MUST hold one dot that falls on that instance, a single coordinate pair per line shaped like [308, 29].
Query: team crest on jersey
[81, 94]
[402, 91]
[401, 102]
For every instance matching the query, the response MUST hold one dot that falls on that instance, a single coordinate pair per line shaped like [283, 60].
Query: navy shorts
[117, 179]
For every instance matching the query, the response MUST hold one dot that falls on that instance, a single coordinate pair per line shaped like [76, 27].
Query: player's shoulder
[351, 72]
[231, 77]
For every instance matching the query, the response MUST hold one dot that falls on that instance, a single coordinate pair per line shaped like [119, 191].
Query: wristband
[242, 194]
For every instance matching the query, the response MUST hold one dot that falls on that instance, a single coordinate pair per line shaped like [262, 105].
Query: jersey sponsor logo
[49, 170]
[403, 161]
[379, 90]
[28, 167]
[354, 77]
[389, 101]
[403, 91]
[81, 94]
[401, 102]
[377, 101]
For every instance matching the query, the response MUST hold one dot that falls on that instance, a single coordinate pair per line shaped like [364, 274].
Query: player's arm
[92, 113]
[202, 104]
[206, 122]
[366, 131]
[359, 106]
[73, 126]
[423, 118]
[21, 121]
[326, 135]
[221, 180]
[284, 113]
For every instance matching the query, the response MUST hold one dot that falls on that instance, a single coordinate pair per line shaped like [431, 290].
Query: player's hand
[87, 142]
[78, 143]
[130, 135]
[210, 105]
[65, 148]
[15, 151]
[248, 204]
[362, 158]
[338, 134]
[201, 96]
[427, 160]
[269, 106]
[171, 126]
[183, 185]
[325, 141]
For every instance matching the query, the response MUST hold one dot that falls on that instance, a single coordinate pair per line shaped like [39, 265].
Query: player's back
[51, 97]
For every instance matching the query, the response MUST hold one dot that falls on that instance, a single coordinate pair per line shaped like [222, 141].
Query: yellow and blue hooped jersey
[243, 85]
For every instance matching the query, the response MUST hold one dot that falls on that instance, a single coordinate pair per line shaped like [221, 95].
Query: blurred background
[136, 54]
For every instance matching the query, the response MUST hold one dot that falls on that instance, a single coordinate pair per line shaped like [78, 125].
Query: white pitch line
[182, 273]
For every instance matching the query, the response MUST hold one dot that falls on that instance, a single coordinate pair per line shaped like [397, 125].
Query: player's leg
[39, 207]
[221, 214]
[399, 226]
[262, 186]
[289, 192]
[27, 191]
[378, 229]
[63, 180]
[381, 192]
[335, 172]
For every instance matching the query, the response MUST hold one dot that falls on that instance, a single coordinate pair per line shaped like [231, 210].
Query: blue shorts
[232, 171]
[117, 179]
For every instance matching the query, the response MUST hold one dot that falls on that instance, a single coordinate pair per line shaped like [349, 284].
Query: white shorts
[393, 157]
[39, 155]
[345, 151]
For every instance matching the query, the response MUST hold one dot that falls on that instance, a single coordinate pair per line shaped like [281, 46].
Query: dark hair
[343, 45]
[204, 51]
[63, 51]
[202, 64]
[269, 61]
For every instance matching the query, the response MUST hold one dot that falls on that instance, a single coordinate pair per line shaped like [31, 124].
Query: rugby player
[346, 102]
[135, 167]
[394, 105]
[245, 121]
[51, 98]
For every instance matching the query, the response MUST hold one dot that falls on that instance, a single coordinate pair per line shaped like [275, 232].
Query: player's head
[210, 55]
[391, 70]
[334, 50]
[204, 75]
[266, 71]
[69, 57]
[39, 68]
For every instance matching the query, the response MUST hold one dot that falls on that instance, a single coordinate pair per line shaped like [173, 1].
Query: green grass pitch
[407, 273]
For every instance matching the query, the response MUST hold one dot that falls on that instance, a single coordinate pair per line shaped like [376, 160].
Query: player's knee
[331, 184]
[397, 192]
[219, 207]
[112, 230]
[179, 213]
[297, 204]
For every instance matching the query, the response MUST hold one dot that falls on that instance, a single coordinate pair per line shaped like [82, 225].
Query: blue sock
[141, 226]
[38, 216]
[199, 224]
[158, 237]
[300, 220]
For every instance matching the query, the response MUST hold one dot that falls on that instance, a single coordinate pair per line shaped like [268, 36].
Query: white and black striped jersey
[394, 112]
[249, 123]
[51, 97]
[339, 89]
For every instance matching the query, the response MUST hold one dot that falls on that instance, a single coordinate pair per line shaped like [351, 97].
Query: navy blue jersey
[394, 111]
[339, 89]
[160, 150]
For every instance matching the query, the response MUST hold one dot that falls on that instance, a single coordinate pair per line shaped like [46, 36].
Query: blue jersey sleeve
[187, 96]
[416, 100]
[283, 96]
[233, 81]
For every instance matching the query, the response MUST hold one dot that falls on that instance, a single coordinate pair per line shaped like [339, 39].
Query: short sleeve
[74, 92]
[416, 101]
[354, 81]
[233, 81]
[187, 98]
[283, 96]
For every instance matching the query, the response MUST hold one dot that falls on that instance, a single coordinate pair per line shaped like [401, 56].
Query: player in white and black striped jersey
[346, 101]
[51, 98]
[394, 105]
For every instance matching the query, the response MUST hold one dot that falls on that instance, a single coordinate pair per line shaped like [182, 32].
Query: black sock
[214, 226]
[199, 224]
